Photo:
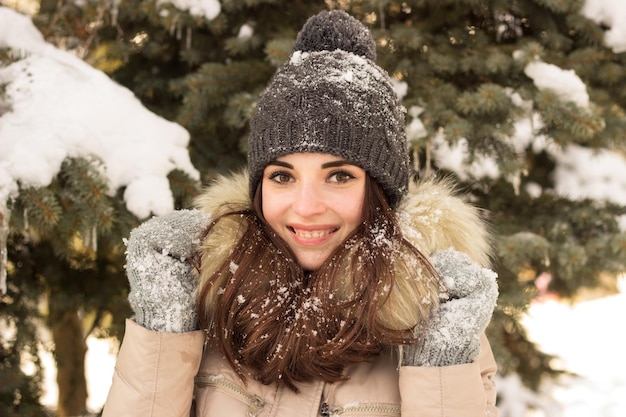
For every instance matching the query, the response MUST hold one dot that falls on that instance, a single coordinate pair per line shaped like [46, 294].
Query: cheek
[271, 207]
[352, 209]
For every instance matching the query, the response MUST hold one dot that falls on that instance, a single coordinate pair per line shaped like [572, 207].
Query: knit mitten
[161, 276]
[452, 336]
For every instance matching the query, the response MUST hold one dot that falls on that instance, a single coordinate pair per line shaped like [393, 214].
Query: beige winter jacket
[182, 375]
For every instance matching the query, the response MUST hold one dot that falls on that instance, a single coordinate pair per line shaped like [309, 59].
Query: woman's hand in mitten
[452, 336]
[160, 272]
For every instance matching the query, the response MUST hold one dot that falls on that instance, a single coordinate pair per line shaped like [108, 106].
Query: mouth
[310, 233]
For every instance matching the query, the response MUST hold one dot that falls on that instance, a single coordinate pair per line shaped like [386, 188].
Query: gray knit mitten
[161, 277]
[453, 333]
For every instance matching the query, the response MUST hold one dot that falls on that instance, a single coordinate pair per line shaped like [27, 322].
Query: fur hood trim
[433, 216]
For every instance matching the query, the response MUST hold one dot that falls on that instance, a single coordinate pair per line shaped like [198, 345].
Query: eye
[340, 177]
[280, 177]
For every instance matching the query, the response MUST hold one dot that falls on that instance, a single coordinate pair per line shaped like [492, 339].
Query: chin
[311, 264]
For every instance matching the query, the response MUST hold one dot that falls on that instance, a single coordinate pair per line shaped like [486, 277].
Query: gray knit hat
[332, 98]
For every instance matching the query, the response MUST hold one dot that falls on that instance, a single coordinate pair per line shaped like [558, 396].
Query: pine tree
[460, 63]
[463, 63]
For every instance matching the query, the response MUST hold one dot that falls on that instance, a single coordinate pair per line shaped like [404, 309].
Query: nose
[308, 200]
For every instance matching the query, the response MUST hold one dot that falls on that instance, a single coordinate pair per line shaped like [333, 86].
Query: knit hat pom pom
[331, 30]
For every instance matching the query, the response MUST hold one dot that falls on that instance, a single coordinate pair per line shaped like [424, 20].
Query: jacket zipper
[254, 402]
[374, 408]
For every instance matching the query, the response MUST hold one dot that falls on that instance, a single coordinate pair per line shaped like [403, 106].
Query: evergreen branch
[41, 206]
[212, 84]
[489, 100]
[239, 110]
[183, 187]
[565, 121]
[588, 30]
[277, 50]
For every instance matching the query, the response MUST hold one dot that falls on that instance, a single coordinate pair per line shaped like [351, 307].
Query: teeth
[312, 234]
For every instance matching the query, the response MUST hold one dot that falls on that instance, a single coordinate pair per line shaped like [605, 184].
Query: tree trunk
[70, 350]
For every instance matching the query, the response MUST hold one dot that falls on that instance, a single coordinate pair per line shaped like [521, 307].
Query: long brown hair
[284, 324]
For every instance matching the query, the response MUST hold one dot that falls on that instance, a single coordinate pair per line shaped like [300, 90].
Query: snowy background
[57, 104]
[589, 337]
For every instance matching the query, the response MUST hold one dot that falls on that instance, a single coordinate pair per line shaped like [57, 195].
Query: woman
[308, 273]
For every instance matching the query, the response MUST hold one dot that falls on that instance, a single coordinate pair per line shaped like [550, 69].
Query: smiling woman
[313, 202]
[316, 283]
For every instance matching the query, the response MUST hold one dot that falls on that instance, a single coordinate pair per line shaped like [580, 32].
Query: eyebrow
[339, 163]
[331, 164]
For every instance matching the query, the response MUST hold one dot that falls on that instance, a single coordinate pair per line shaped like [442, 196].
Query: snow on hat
[331, 97]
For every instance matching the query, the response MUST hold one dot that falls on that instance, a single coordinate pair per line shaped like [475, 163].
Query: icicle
[4, 237]
[179, 32]
[94, 238]
[174, 26]
[114, 12]
[90, 238]
[416, 159]
[515, 179]
[188, 40]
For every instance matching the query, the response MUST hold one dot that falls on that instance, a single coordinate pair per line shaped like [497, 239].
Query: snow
[611, 13]
[245, 32]
[99, 367]
[579, 173]
[209, 9]
[415, 129]
[603, 176]
[565, 82]
[61, 107]
[589, 339]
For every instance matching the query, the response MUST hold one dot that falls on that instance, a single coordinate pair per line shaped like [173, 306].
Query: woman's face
[313, 201]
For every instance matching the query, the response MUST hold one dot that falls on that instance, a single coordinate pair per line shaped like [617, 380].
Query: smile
[311, 234]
